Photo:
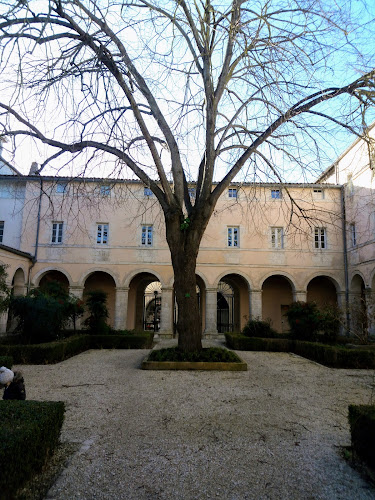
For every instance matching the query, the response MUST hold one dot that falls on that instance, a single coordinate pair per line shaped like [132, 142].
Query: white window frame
[276, 194]
[320, 238]
[102, 233]
[61, 187]
[318, 194]
[147, 235]
[147, 192]
[105, 190]
[233, 236]
[353, 234]
[277, 237]
[233, 193]
[2, 224]
[57, 232]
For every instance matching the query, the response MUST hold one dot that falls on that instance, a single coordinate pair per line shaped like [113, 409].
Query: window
[1, 231]
[232, 193]
[233, 236]
[147, 191]
[102, 233]
[353, 235]
[275, 194]
[318, 194]
[105, 190]
[147, 236]
[57, 232]
[277, 237]
[192, 193]
[61, 187]
[320, 238]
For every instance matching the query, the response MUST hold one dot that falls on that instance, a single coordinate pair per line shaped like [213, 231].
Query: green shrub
[29, 433]
[96, 303]
[43, 312]
[304, 320]
[51, 352]
[242, 343]
[6, 361]
[210, 354]
[259, 328]
[362, 430]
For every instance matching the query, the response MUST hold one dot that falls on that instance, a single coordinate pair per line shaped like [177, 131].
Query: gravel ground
[273, 432]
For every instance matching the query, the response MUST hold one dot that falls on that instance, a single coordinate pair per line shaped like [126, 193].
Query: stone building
[266, 245]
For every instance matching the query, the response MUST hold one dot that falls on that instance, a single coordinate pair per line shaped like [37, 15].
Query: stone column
[3, 323]
[121, 307]
[256, 304]
[77, 291]
[211, 313]
[166, 313]
[300, 296]
[370, 311]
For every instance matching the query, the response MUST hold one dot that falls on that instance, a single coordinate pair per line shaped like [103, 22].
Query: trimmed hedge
[29, 433]
[6, 361]
[362, 430]
[54, 352]
[328, 355]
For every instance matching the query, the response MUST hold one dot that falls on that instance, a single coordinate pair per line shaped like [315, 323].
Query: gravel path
[273, 432]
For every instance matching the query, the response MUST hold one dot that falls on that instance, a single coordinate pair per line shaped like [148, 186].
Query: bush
[122, 340]
[304, 320]
[362, 430]
[25, 447]
[210, 354]
[6, 361]
[51, 352]
[259, 328]
[242, 343]
[96, 303]
[44, 312]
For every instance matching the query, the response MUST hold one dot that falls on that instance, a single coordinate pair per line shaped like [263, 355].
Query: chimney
[34, 169]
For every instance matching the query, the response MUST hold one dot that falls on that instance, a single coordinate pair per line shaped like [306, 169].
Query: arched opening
[322, 291]
[277, 295]
[104, 282]
[144, 305]
[56, 276]
[152, 306]
[232, 303]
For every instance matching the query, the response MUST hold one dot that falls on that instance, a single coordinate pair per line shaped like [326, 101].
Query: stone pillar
[256, 304]
[77, 291]
[166, 313]
[300, 296]
[211, 313]
[3, 323]
[344, 313]
[121, 307]
[370, 311]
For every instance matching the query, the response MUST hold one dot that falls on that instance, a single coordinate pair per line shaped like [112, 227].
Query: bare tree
[182, 92]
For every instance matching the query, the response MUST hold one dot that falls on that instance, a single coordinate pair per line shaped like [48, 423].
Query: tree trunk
[184, 246]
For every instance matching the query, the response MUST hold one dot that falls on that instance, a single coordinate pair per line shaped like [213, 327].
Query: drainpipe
[343, 213]
[34, 259]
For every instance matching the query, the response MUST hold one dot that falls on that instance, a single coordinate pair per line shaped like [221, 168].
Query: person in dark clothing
[14, 384]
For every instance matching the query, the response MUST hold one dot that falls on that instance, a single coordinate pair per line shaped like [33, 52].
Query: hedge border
[327, 355]
[362, 431]
[26, 447]
[54, 352]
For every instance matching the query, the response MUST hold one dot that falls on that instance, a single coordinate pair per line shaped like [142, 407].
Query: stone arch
[82, 280]
[40, 274]
[54, 275]
[19, 282]
[134, 273]
[285, 275]
[277, 295]
[236, 272]
[101, 280]
[232, 302]
[322, 290]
